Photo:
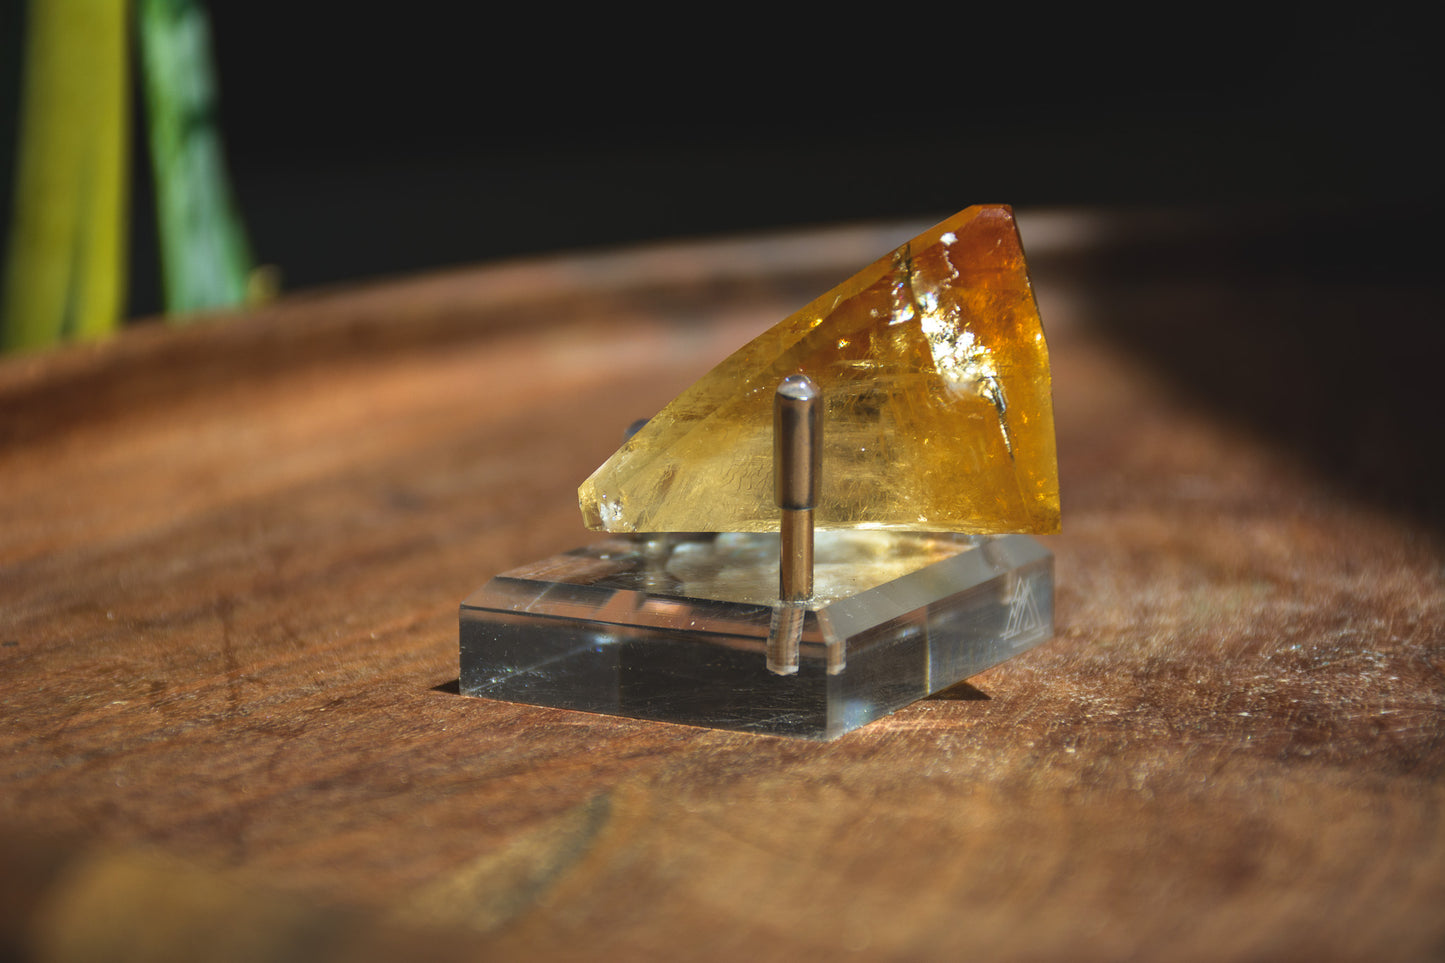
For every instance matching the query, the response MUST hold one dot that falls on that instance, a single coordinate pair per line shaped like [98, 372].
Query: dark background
[373, 140]
[1298, 143]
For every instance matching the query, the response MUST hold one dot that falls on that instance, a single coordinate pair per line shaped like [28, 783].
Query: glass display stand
[676, 628]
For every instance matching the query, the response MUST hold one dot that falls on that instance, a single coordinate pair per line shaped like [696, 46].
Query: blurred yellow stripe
[65, 274]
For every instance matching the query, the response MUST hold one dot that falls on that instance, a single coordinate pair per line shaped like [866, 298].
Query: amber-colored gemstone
[938, 415]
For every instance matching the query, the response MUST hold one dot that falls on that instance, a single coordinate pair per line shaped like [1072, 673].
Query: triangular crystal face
[937, 416]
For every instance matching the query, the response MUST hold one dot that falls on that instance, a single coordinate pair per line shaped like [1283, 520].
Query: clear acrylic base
[675, 628]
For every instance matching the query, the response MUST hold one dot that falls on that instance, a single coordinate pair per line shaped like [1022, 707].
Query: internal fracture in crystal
[938, 411]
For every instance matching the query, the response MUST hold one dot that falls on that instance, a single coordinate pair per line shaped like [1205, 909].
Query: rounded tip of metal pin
[798, 387]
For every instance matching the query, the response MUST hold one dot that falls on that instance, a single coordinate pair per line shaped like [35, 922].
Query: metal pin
[797, 459]
[797, 455]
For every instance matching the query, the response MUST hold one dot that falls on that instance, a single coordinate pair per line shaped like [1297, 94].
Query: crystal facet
[935, 376]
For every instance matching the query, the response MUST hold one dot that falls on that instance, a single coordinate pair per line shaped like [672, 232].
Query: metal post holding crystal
[797, 464]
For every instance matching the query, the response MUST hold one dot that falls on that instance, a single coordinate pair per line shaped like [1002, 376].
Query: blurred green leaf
[205, 260]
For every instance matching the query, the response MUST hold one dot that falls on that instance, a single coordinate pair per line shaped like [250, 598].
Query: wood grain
[230, 561]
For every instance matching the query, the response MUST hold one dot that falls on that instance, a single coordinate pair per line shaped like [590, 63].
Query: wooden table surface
[230, 562]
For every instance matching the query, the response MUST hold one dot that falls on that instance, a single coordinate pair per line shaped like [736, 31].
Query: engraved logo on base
[1025, 621]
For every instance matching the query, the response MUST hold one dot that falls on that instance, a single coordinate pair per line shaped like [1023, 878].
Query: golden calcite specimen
[938, 414]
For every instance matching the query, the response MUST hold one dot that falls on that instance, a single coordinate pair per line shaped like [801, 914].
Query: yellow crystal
[938, 414]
